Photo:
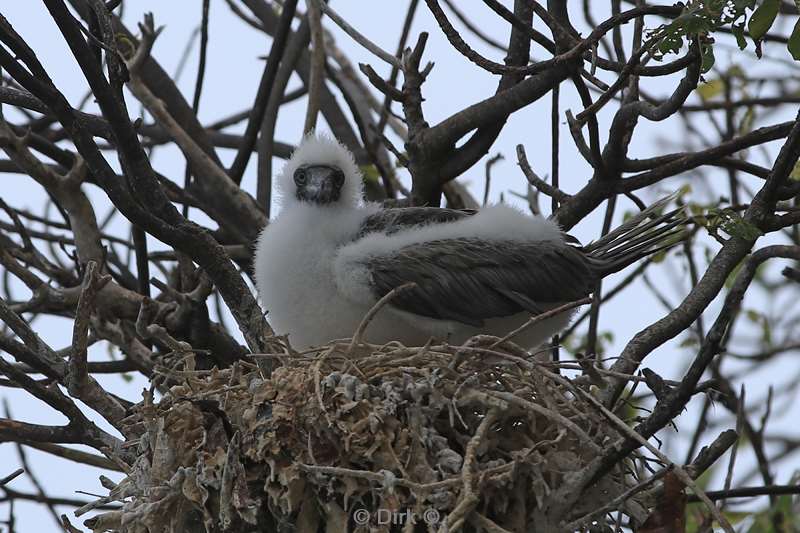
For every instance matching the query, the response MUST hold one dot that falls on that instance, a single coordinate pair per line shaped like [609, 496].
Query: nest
[366, 438]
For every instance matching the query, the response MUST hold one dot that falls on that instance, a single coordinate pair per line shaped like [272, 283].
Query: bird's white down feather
[311, 279]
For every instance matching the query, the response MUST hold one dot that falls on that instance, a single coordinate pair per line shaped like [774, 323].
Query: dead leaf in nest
[194, 491]
[308, 519]
[335, 518]
[234, 498]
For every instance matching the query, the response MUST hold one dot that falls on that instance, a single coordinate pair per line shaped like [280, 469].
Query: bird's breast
[295, 280]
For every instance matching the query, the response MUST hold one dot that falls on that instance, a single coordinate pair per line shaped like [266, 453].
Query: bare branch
[358, 37]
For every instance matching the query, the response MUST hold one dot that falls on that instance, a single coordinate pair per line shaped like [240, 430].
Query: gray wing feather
[470, 280]
[392, 220]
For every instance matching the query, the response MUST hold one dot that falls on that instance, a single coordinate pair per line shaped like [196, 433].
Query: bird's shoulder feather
[392, 220]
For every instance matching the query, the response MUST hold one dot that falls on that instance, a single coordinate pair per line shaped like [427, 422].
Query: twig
[317, 71]
[685, 478]
[541, 317]
[255, 23]
[358, 37]
[391, 92]
[749, 492]
[318, 385]
[198, 90]
[74, 455]
[386, 107]
[556, 417]
[468, 499]
[488, 174]
[264, 90]
[77, 370]
[13, 475]
[52, 500]
[740, 419]
[475, 29]
[148, 329]
[67, 525]
[200, 161]
[374, 311]
[614, 504]
[26, 467]
[149, 35]
[185, 55]
[536, 182]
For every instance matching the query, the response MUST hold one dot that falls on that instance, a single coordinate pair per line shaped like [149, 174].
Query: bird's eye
[300, 176]
[338, 178]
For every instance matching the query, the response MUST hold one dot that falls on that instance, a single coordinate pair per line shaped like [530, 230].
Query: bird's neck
[332, 224]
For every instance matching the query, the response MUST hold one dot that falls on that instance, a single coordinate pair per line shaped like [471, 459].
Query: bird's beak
[323, 184]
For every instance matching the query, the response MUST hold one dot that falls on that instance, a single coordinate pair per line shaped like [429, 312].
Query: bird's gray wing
[388, 221]
[470, 280]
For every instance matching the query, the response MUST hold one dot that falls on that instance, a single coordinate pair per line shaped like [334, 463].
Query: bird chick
[328, 257]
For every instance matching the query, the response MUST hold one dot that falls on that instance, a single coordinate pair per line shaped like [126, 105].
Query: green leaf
[709, 90]
[735, 71]
[732, 276]
[739, 227]
[794, 42]
[738, 32]
[708, 58]
[763, 18]
[731, 223]
[689, 342]
[370, 173]
[795, 174]
[766, 332]
[753, 316]
[747, 121]
[659, 256]
[696, 209]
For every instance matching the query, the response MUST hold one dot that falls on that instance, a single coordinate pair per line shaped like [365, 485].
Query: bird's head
[321, 172]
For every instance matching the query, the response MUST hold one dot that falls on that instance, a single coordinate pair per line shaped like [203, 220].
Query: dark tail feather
[644, 234]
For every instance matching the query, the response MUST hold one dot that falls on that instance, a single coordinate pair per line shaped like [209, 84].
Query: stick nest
[365, 438]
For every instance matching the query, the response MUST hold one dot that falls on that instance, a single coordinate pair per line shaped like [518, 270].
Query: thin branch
[749, 492]
[26, 467]
[542, 317]
[536, 182]
[317, 71]
[264, 90]
[357, 36]
[11, 477]
[77, 373]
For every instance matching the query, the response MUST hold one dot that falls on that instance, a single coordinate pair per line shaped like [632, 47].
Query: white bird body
[328, 257]
[315, 287]
[294, 273]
